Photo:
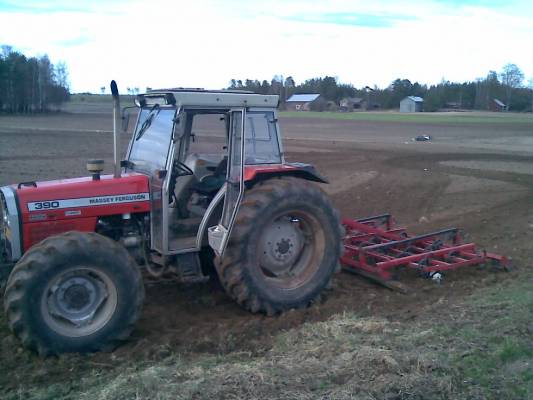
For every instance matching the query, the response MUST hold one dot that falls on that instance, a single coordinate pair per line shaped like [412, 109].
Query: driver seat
[210, 184]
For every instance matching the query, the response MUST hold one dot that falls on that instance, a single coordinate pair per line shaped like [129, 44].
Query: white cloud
[206, 43]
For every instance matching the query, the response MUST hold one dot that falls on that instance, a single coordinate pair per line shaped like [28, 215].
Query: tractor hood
[82, 197]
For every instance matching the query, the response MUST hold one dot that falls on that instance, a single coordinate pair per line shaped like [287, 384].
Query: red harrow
[375, 247]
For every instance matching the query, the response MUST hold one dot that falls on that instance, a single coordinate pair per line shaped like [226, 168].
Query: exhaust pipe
[116, 124]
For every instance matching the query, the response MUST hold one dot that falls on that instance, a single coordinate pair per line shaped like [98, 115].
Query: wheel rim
[290, 249]
[79, 301]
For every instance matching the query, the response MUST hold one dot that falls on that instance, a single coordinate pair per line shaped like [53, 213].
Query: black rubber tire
[239, 270]
[55, 256]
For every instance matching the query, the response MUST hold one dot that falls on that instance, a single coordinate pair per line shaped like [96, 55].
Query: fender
[253, 173]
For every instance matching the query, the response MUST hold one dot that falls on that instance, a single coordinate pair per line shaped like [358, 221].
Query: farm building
[453, 105]
[497, 105]
[301, 102]
[352, 103]
[411, 104]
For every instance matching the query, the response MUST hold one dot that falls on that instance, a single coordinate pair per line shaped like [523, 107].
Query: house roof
[499, 102]
[303, 97]
[416, 99]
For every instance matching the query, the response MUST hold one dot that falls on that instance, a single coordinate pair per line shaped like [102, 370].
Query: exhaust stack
[116, 124]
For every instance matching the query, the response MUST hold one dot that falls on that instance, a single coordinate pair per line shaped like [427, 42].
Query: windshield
[151, 139]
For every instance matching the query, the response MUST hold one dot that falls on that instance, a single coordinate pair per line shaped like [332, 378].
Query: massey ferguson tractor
[78, 245]
[76, 249]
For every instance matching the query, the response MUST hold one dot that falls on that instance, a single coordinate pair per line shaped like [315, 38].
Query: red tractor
[76, 247]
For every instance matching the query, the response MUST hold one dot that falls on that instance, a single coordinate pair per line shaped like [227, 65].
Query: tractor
[76, 250]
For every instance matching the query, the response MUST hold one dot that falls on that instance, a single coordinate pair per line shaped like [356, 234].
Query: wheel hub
[280, 246]
[77, 298]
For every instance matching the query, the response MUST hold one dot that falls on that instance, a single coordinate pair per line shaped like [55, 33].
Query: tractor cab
[189, 143]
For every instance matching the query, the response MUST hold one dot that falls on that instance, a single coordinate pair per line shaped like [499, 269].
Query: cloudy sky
[205, 43]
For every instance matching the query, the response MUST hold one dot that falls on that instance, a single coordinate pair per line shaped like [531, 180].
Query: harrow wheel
[284, 247]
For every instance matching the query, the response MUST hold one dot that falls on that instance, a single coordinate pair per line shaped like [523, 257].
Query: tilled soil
[465, 177]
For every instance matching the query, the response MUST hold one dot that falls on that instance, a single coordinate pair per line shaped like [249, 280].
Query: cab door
[234, 188]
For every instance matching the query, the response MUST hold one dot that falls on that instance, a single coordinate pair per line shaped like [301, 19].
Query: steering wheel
[182, 169]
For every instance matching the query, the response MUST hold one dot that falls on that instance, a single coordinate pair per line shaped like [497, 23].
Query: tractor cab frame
[189, 191]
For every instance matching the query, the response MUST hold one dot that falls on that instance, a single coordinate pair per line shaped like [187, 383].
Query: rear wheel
[284, 246]
[75, 292]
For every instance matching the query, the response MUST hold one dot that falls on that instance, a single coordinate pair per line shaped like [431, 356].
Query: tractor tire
[284, 247]
[74, 292]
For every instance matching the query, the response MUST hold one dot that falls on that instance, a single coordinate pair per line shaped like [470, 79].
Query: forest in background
[34, 84]
[31, 84]
[507, 86]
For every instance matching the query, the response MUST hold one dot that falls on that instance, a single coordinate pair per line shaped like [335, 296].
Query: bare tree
[512, 77]
[44, 79]
[290, 84]
[61, 75]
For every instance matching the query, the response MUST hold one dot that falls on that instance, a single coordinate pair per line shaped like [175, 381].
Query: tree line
[30, 84]
[506, 86]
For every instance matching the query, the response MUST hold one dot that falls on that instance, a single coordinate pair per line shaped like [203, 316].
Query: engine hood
[83, 197]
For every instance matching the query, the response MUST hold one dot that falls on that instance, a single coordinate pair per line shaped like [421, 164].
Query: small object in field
[423, 138]
[436, 276]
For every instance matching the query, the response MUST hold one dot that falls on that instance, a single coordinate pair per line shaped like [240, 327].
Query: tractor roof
[208, 98]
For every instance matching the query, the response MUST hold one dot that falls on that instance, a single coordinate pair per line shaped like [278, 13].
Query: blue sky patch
[353, 19]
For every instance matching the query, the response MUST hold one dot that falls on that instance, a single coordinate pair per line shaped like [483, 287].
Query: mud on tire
[74, 292]
[284, 247]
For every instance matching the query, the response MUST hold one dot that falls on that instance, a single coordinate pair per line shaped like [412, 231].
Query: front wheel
[284, 246]
[75, 292]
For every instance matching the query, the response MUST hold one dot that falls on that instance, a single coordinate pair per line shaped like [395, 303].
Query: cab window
[261, 146]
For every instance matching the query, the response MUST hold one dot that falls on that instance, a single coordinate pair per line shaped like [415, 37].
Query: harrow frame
[376, 247]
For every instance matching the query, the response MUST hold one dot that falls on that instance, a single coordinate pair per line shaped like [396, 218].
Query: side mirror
[125, 120]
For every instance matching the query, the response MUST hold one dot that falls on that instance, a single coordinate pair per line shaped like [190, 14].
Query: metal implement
[375, 247]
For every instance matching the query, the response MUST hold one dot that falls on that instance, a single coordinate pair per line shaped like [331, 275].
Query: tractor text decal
[87, 201]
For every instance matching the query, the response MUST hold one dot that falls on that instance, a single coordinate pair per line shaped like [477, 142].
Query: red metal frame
[375, 247]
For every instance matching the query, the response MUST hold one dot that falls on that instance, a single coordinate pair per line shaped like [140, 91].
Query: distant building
[352, 104]
[453, 105]
[301, 102]
[411, 104]
[497, 105]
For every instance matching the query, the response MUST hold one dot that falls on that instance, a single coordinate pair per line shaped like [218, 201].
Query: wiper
[148, 121]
